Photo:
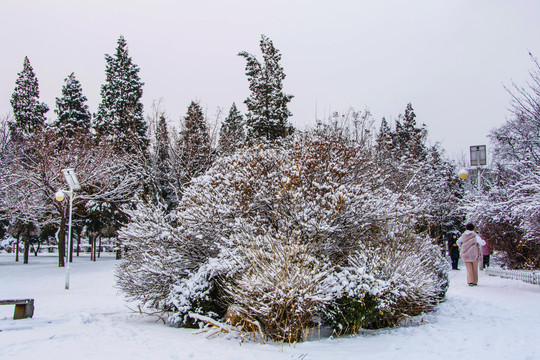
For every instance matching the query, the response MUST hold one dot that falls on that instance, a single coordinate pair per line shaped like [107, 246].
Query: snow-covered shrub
[279, 285]
[279, 224]
[199, 292]
[287, 236]
[157, 256]
[393, 273]
[507, 215]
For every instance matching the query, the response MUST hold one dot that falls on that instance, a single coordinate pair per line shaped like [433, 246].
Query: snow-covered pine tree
[120, 113]
[194, 151]
[384, 140]
[163, 165]
[267, 104]
[162, 142]
[28, 112]
[231, 134]
[71, 109]
[409, 140]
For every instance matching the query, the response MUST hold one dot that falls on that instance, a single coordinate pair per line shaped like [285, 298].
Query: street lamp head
[59, 196]
[463, 174]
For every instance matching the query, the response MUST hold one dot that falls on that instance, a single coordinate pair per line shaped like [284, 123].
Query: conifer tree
[409, 140]
[267, 104]
[195, 142]
[162, 141]
[163, 168]
[28, 112]
[384, 140]
[71, 108]
[231, 134]
[120, 113]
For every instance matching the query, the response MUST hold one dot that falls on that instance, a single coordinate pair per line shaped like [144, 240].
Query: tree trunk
[94, 248]
[61, 237]
[91, 241]
[17, 247]
[99, 248]
[37, 248]
[119, 251]
[26, 239]
[78, 243]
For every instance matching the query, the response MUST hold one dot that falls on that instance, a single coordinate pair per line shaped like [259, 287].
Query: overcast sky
[450, 59]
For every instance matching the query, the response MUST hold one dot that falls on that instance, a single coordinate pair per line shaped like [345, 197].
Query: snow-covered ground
[499, 319]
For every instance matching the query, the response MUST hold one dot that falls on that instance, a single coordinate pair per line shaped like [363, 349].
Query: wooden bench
[24, 308]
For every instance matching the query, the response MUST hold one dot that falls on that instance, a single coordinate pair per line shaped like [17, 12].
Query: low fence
[531, 277]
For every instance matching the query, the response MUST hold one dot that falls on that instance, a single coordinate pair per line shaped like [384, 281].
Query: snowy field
[499, 319]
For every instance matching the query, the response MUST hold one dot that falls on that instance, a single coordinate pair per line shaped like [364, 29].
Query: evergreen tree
[163, 169]
[384, 140]
[195, 151]
[231, 134]
[409, 140]
[71, 108]
[162, 142]
[267, 105]
[120, 113]
[28, 112]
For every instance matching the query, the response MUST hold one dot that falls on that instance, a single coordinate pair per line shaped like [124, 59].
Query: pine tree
[195, 150]
[120, 113]
[409, 140]
[267, 105]
[384, 140]
[162, 167]
[231, 134]
[28, 112]
[71, 109]
[162, 141]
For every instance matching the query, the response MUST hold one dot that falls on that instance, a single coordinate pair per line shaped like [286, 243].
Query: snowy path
[499, 319]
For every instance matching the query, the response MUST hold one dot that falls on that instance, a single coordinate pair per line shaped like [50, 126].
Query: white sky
[450, 59]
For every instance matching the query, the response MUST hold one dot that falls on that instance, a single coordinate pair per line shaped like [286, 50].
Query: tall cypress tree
[162, 141]
[409, 140]
[231, 134]
[28, 112]
[120, 113]
[71, 108]
[267, 105]
[193, 150]
[162, 166]
[384, 140]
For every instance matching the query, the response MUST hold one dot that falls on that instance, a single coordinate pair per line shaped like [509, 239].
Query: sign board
[478, 155]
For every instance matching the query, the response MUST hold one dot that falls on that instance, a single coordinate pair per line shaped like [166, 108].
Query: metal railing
[531, 277]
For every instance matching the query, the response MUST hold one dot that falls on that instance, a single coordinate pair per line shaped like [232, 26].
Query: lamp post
[73, 183]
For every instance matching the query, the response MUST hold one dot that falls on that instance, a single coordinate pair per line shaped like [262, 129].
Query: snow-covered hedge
[286, 236]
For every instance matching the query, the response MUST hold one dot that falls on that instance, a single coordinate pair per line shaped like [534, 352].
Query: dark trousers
[455, 261]
[486, 261]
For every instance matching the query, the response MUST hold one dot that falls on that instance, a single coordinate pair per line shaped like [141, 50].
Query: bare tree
[35, 174]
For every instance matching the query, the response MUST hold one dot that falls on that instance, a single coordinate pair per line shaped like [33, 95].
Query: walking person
[487, 250]
[469, 244]
[453, 251]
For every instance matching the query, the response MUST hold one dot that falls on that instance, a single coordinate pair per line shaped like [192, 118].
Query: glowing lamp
[463, 174]
[59, 196]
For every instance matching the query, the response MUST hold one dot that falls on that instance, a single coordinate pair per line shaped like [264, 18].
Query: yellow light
[463, 174]
[59, 196]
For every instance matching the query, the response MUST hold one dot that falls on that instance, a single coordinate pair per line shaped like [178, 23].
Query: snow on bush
[157, 255]
[286, 233]
[393, 274]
